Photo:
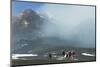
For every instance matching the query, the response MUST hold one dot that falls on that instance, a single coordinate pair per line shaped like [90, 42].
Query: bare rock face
[25, 25]
[26, 21]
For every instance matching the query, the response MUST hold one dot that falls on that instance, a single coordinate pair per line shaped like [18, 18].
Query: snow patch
[87, 54]
[16, 56]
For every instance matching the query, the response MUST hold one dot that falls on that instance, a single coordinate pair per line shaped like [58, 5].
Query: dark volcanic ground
[42, 57]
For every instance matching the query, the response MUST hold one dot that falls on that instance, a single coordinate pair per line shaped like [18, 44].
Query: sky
[18, 6]
[69, 22]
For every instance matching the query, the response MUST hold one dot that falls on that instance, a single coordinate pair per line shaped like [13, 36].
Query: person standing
[50, 56]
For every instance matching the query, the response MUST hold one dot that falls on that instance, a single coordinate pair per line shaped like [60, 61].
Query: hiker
[73, 53]
[69, 54]
[50, 56]
[65, 53]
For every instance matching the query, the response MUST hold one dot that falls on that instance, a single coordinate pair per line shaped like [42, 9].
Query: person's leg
[72, 57]
[65, 55]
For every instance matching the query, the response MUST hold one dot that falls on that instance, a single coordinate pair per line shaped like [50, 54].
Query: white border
[5, 33]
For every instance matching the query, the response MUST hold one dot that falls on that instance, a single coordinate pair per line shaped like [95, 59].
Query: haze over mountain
[31, 29]
[25, 26]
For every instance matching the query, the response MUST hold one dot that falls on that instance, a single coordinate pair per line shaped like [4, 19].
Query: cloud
[69, 22]
[57, 25]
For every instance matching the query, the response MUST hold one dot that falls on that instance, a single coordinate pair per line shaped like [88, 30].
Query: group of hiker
[69, 54]
[66, 54]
